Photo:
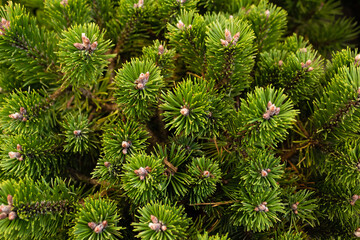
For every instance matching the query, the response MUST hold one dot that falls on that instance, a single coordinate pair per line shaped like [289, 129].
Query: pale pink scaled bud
[161, 50]
[256, 209]
[236, 38]
[12, 216]
[94, 45]
[310, 69]
[163, 228]
[147, 75]
[98, 228]
[294, 206]
[92, 225]
[185, 111]
[105, 223]
[262, 207]
[223, 42]
[107, 164]
[3, 216]
[265, 203]
[228, 37]
[303, 50]
[266, 209]
[272, 108]
[266, 116]
[86, 41]
[18, 147]
[14, 155]
[280, 63]
[141, 3]
[269, 104]
[357, 232]
[180, 25]
[64, 2]
[124, 151]
[125, 144]
[267, 13]
[206, 174]
[140, 86]
[77, 132]
[79, 46]
[154, 219]
[308, 62]
[264, 173]
[155, 226]
[10, 199]
[302, 65]
[357, 58]
[189, 27]
[16, 116]
[6, 209]
[277, 111]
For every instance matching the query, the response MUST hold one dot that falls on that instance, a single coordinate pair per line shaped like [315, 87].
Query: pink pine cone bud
[155, 226]
[94, 45]
[224, 42]
[303, 50]
[180, 25]
[266, 116]
[185, 111]
[357, 58]
[308, 62]
[99, 228]
[18, 147]
[161, 50]
[163, 228]
[154, 219]
[105, 223]
[92, 225]
[125, 144]
[12, 216]
[264, 173]
[14, 155]
[236, 38]
[124, 151]
[267, 13]
[10, 200]
[107, 164]
[310, 69]
[79, 46]
[3, 216]
[77, 132]
[228, 37]
[280, 63]
[262, 207]
[206, 174]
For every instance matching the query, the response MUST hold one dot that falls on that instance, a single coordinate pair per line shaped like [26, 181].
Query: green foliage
[64, 14]
[231, 62]
[78, 134]
[27, 113]
[205, 174]
[156, 215]
[82, 67]
[30, 48]
[143, 178]
[249, 213]
[31, 156]
[206, 236]
[138, 87]
[260, 171]
[100, 214]
[42, 208]
[256, 128]
[178, 180]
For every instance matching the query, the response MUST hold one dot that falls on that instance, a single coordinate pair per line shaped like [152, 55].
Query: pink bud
[154, 219]
[94, 45]
[308, 62]
[77, 132]
[124, 151]
[180, 25]
[105, 223]
[10, 200]
[266, 209]
[3, 216]
[140, 86]
[184, 111]
[206, 174]
[277, 111]
[256, 209]
[18, 147]
[163, 228]
[281, 63]
[155, 226]
[302, 65]
[266, 116]
[264, 173]
[357, 58]
[107, 164]
[236, 38]
[125, 144]
[161, 50]
[269, 104]
[310, 69]
[98, 228]
[92, 225]
[14, 155]
[265, 203]
[303, 50]
[12, 216]
[267, 13]
[79, 46]
[228, 35]
[262, 207]
[223, 42]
